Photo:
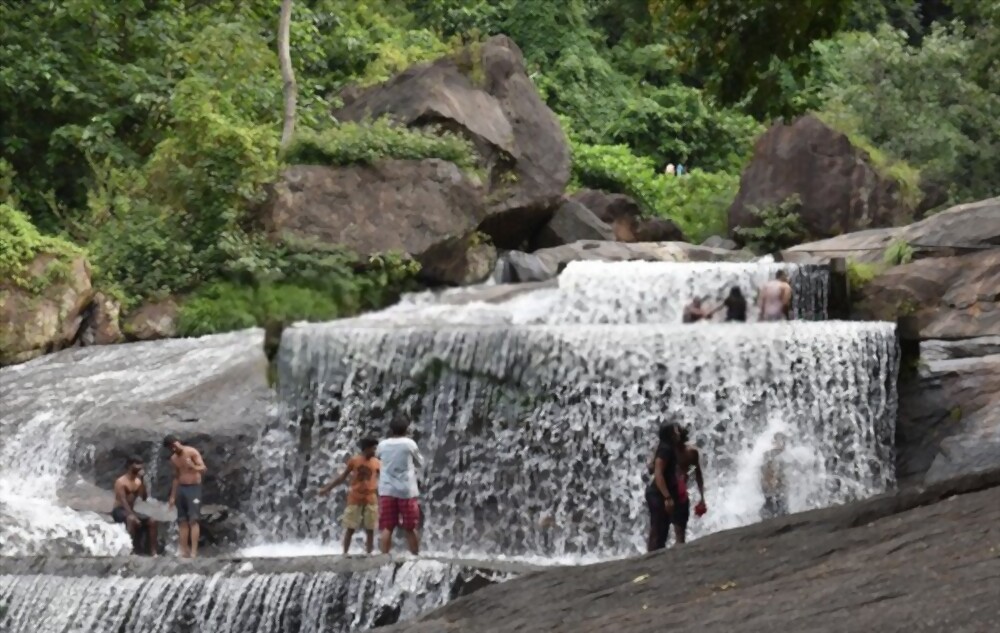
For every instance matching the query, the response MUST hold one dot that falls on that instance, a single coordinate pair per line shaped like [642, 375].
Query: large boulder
[485, 94]
[965, 228]
[547, 263]
[427, 208]
[570, 223]
[624, 216]
[153, 320]
[839, 189]
[608, 207]
[45, 313]
[101, 322]
[940, 297]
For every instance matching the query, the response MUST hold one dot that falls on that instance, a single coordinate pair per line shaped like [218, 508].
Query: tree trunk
[287, 72]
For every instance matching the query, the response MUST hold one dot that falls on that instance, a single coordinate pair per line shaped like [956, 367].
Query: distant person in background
[662, 492]
[129, 487]
[688, 458]
[669, 170]
[694, 311]
[736, 305]
[362, 497]
[774, 480]
[680, 170]
[397, 487]
[185, 493]
[776, 298]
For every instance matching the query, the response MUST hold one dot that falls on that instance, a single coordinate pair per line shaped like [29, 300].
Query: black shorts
[188, 503]
[120, 516]
[682, 512]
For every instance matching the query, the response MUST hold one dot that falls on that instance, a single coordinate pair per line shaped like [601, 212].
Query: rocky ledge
[925, 560]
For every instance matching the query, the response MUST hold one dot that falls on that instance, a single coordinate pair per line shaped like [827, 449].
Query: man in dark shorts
[128, 488]
[662, 490]
[688, 457]
[185, 493]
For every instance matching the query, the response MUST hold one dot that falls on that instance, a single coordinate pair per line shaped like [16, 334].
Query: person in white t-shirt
[397, 487]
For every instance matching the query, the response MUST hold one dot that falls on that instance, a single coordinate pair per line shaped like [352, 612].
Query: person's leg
[195, 536]
[348, 535]
[659, 523]
[388, 518]
[184, 532]
[193, 498]
[681, 515]
[369, 541]
[410, 513]
[351, 522]
[370, 522]
[151, 537]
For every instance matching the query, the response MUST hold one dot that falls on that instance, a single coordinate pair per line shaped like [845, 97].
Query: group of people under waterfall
[383, 493]
[774, 303]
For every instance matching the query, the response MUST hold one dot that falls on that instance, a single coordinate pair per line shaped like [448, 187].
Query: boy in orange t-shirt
[362, 498]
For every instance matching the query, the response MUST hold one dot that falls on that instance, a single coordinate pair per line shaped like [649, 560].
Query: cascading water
[537, 437]
[235, 599]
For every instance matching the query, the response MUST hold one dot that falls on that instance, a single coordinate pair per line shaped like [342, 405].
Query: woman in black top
[736, 305]
[661, 493]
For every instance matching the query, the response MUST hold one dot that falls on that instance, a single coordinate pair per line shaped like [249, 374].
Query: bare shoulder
[192, 452]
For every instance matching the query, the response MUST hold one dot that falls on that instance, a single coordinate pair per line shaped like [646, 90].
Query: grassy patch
[368, 143]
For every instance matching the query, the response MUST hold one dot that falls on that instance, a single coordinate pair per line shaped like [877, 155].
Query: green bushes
[780, 227]
[364, 143]
[859, 274]
[698, 202]
[20, 242]
[897, 253]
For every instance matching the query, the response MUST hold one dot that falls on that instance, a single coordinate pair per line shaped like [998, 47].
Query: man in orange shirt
[362, 498]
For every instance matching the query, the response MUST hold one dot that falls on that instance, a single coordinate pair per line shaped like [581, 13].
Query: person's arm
[143, 491]
[339, 479]
[661, 481]
[418, 459]
[121, 497]
[788, 301]
[760, 303]
[699, 479]
[194, 457]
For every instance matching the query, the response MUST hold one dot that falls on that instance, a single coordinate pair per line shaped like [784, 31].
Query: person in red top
[362, 498]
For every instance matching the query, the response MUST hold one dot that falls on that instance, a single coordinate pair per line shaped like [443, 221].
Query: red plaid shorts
[393, 512]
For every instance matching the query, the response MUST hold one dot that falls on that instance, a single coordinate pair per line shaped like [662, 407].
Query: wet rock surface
[925, 560]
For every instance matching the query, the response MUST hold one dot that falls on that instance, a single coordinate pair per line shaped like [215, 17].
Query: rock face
[36, 323]
[941, 297]
[839, 189]
[426, 208]
[875, 565]
[962, 229]
[547, 263]
[570, 223]
[154, 320]
[100, 326]
[485, 94]
[608, 207]
[625, 217]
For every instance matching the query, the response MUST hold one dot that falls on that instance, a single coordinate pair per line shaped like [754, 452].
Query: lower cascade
[537, 437]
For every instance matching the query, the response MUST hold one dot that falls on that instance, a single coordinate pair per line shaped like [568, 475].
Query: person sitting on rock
[776, 298]
[397, 487]
[694, 312]
[362, 498]
[185, 493]
[129, 487]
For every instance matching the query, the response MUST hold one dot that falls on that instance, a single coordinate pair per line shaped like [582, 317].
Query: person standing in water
[129, 487]
[688, 457]
[736, 305]
[776, 298]
[774, 481]
[694, 312]
[397, 487]
[362, 499]
[662, 491]
[185, 493]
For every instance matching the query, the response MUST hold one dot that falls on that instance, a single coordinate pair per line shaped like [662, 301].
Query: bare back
[775, 300]
[188, 466]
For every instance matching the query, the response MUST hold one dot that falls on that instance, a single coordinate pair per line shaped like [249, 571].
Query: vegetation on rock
[146, 133]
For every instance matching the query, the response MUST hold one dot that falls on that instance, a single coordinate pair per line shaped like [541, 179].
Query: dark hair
[367, 442]
[668, 432]
[169, 440]
[781, 274]
[736, 292]
[133, 460]
[685, 435]
[398, 427]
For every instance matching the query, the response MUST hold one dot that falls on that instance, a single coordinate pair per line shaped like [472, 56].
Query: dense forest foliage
[144, 131]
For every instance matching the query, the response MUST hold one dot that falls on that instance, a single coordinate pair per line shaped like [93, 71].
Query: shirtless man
[128, 488]
[776, 298]
[185, 493]
[694, 312]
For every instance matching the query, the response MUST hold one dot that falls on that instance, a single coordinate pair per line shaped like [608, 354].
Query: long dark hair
[667, 435]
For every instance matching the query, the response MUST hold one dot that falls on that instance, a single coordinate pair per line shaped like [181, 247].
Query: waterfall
[234, 599]
[537, 437]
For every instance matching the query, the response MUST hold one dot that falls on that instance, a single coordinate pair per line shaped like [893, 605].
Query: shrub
[367, 143]
[859, 274]
[20, 242]
[897, 253]
[780, 226]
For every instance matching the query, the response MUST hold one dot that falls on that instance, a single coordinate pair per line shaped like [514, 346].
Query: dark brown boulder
[658, 230]
[939, 297]
[571, 222]
[427, 209]
[839, 189]
[485, 94]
